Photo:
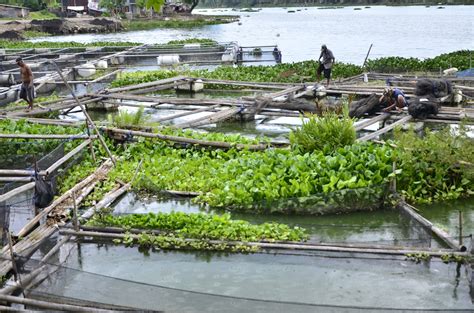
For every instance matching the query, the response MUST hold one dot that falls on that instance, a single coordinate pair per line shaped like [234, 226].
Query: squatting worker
[326, 64]
[27, 91]
[395, 98]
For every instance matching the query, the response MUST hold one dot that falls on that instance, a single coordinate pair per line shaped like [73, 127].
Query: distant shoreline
[216, 4]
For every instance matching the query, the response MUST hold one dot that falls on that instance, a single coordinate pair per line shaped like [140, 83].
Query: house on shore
[13, 11]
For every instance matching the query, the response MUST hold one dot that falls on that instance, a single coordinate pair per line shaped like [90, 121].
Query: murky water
[209, 282]
[394, 31]
[382, 227]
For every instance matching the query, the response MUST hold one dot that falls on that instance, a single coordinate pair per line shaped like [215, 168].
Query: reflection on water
[446, 215]
[347, 33]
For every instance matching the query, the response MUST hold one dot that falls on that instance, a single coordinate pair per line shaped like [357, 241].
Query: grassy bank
[178, 22]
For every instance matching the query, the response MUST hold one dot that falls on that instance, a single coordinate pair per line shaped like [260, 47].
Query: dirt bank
[61, 26]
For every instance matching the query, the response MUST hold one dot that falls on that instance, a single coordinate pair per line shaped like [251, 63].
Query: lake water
[414, 31]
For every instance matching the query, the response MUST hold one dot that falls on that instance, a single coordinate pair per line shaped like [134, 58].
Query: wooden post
[367, 56]
[12, 256]
[74, 212]
[460, 228]
[393, 181]
[50, 305]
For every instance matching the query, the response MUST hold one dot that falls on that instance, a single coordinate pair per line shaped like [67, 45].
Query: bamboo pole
[17, 172]
[16, 191]
[210, 119]
[91, 122]
[269, 245]
[103, 168]
[157, 88]
[371, 121]
[177, 101]
[215, 144]
[106, 200]
[44, 121]
[16, 179]
[145, 85]
[441, 234]
[49, 305]
[106, 76]
[386, 128]
[65, 158]
[172, 117]
[53, 136]
[244, 84]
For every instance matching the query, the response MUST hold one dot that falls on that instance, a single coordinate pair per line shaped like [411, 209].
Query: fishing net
[422, 107]
[433, 87]
[80, 274]
[368, 106]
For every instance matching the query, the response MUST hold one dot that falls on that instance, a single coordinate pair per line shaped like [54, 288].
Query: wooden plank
[371, 121]
[53, 136]
[50, 305]
[16, 179]
[285, 92]
[17, 172]
[210, 119]
[205, 143]
[16, 191]
[106, 201]
[145, 85]
[441, 234]
[386, 128]
[269, 245]
[104, 168]
[173, 116]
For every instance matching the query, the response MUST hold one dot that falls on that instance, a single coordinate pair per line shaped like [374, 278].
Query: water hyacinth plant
[323, 133]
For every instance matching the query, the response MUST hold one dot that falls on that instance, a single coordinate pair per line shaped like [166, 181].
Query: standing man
[27, 91]
[326, 64]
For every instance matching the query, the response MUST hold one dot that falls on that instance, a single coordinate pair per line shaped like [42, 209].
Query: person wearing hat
[326, 64]
[27, 90]
[395, 98]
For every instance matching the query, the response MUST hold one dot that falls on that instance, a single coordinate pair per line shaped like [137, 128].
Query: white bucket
[102, 64]
[167, 59]
[86, 70]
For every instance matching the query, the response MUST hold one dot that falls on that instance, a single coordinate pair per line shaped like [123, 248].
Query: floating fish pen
[99, 164]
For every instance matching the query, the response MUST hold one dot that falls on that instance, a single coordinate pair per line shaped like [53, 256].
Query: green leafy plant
[437, 166]
[204, 226]
[128, 120]
[326, 133]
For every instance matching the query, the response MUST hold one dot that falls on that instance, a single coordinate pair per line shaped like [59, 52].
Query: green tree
[114, 7]
[155, 4]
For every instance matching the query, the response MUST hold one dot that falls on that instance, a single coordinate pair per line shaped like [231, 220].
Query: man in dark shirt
[27, 91]
[326, 64]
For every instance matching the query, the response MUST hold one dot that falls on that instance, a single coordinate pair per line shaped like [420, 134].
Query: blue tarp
[466, 73]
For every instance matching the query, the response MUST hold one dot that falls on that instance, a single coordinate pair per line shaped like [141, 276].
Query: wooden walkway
[55, 215]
